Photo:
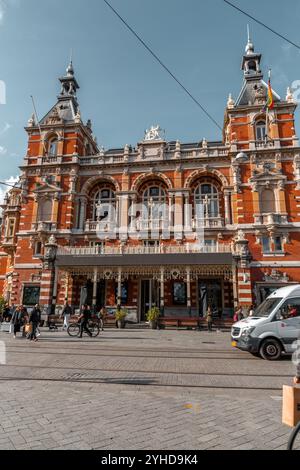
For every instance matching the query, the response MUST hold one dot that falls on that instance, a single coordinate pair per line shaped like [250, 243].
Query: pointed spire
[230, 102]
[251, 60]
[250, 46]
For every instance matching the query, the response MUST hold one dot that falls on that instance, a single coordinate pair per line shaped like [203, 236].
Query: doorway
[150, 295]
[86, 296]
[210, 294]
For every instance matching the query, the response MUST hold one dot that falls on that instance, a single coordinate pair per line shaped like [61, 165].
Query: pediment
[47, 188]
[267, 175]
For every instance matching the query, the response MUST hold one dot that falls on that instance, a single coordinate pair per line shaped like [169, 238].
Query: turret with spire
[69, 84]
[251, 60]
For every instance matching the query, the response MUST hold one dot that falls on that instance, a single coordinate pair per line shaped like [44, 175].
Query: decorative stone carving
[154, 133]
[50, 253]
[236, 177]
[241, 249]
[275, 276]
[289, 96]
[31, 121]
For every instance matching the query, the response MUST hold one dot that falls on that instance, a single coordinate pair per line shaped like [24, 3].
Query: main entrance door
[87, 294]
[210, 294]
[149, 296]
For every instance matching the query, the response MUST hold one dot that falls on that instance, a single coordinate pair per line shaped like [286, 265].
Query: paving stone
[178, 393]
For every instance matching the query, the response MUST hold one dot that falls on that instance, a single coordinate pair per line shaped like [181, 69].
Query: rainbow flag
[270, 101]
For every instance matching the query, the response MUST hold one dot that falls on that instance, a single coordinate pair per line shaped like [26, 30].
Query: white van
[274, 326]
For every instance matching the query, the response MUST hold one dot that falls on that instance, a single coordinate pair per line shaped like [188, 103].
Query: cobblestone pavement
[139, 389]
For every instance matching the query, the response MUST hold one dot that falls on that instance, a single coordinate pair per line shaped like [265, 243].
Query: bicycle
[293, 437]
[74, 329]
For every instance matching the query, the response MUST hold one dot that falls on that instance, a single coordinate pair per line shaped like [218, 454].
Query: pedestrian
[7, 313]
[209, 319]
[17, 320]
[251, 311]
[84, 320]
[102, 317]
[66, 313]
[34, 320]
[238, 316]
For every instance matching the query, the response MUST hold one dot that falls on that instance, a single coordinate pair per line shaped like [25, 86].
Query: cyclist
[84, 321]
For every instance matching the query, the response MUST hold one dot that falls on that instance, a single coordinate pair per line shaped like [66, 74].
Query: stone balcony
[102, 250]
[270, 219]
[44, 227]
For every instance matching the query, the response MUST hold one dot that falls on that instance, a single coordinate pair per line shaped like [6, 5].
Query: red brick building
[163, 223]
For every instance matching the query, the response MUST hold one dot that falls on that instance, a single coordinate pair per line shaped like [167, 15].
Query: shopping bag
[28, 329]
[291, 406]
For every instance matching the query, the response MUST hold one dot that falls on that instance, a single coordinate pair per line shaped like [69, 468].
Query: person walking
[84, 320]
[34, 320]
[102, 317]
[7, 315]
[251, 311]
[17, 320]
[209, 319]
[66, 313]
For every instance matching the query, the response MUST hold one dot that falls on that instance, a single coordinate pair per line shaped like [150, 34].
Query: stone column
[95, 284]
[189, 299]
[124, 208]
[82, 214]
[227, 208]
[162, 291]
[119, 296]
[178, 216]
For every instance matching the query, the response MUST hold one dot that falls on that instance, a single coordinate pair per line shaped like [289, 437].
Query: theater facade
[176, 225]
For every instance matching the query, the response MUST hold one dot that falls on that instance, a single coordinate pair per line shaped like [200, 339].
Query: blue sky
[123, 90]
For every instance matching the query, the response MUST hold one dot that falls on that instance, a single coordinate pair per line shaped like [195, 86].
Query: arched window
[155, 201]
[267, 202]
[104, 204]
[53, 146]
[45, 211]
[261, 131]
[207, 203]
[252, 66]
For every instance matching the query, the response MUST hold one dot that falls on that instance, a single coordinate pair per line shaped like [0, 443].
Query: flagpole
[267, 114]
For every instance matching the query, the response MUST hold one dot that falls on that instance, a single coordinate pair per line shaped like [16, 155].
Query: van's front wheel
[270, 350]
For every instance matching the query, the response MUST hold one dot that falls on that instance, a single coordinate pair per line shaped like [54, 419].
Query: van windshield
[267, 307]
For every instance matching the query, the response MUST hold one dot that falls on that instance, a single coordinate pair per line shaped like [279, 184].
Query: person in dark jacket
[7, 313]
[84, 320]
[17, 320]
[34, 320]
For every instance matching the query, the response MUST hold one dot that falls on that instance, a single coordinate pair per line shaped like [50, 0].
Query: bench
[193, 322]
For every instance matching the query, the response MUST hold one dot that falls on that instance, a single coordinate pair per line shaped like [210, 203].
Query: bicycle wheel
[94, 329]
[73, 330]
[294, 440]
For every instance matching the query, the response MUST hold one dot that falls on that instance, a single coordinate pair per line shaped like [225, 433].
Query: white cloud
[3, 150]
[4, 5]
[6, 128]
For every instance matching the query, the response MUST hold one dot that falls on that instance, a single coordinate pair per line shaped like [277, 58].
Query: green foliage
[121, 314]
[2, 305]
[153, 314]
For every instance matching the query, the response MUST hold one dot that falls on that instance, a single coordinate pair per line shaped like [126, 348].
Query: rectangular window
[10, 228]
[266, 245]
[38, 248]
[278, 244]
[31, 295]
[179, 293]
